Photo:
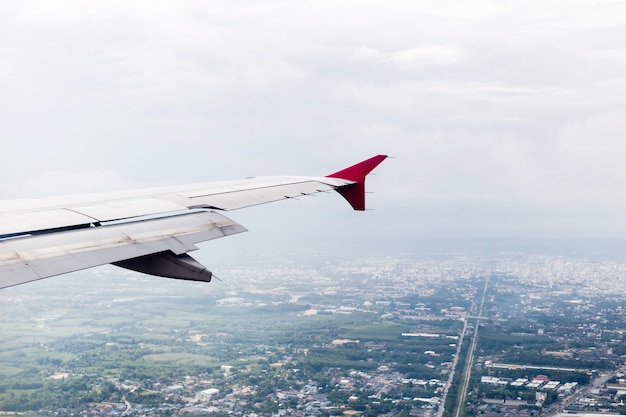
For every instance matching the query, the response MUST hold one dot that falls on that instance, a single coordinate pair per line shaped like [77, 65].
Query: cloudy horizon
[506, 119]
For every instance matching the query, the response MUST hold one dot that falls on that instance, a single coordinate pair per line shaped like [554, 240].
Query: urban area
[490, 333]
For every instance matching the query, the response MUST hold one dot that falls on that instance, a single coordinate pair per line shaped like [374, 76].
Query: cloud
[501, 115]
[5, 71]
[597, 148]
[411, 58]
[60, 182]
[426, 55]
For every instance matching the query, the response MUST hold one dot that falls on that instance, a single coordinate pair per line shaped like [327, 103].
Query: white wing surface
[148, 230]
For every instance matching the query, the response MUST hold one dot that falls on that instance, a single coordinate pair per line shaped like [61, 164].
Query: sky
[504, 118]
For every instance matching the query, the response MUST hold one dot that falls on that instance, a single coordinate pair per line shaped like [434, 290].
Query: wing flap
[125, 209]
[28, 259]
[260, 192]
[26, 216]
[26, 222]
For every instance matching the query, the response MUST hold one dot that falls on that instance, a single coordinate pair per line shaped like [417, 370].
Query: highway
[452, 371]
[469, 362]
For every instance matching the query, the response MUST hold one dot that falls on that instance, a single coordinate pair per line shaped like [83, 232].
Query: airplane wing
[147, 230]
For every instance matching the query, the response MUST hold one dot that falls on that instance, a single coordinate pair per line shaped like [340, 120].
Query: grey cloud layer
[507, 118]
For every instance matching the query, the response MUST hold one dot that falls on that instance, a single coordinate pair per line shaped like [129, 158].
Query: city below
[497, 330]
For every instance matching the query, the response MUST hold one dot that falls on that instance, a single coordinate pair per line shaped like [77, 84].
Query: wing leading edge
[148, 230]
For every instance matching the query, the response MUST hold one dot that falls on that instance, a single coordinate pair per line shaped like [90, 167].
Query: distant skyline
[507, 119]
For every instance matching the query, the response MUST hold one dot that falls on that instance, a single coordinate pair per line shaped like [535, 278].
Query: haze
[506, 119]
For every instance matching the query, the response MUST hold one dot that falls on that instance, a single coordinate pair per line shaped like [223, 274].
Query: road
[452, 371]
[128, 406]
[469, 362]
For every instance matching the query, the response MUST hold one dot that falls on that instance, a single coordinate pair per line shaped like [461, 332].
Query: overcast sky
[506, 118]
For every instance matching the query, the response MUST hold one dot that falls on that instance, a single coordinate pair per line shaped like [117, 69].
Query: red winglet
[355, 193]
